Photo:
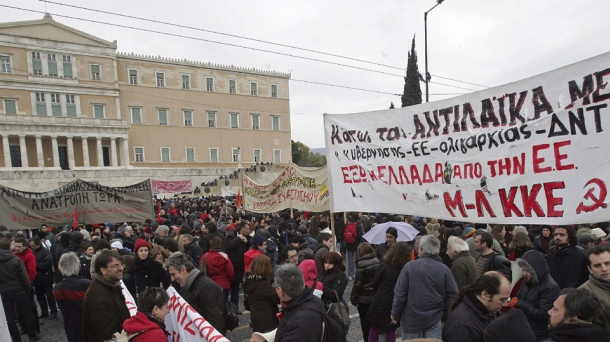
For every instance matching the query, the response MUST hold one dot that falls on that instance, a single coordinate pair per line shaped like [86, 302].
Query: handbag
[231, 317]
[340, 312]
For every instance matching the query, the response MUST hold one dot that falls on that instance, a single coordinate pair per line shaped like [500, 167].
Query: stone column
[39, 153]
[114, 160]
[24, 151]
[100, 156]
[85, 152]
[7, 152]
[70, 145]
[125, 151]
[55, 152]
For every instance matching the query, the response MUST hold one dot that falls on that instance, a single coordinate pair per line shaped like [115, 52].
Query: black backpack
[333, 331]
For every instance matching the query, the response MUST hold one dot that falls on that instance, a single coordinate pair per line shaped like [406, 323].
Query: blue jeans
[351, 262]
[432, 332]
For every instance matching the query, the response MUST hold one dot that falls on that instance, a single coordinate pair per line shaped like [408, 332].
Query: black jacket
[333, 281]
[263, 301]
[577, 332]
[363, 290]
[70, 294]
[194, 251]
[145, 273]
[301, 319]
[499, 263]
[127, 242]
[467, 321]
[44, 267]
[567, 266]
[536, 297]
[236, 248]
[205, 296]
[85, 266]
[13, 275]
[204, 241]
[383, 285]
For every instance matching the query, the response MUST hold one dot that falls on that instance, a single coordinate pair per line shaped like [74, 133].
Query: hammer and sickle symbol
[597, 201]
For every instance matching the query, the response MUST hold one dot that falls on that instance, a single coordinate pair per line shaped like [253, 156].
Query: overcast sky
[488, 43]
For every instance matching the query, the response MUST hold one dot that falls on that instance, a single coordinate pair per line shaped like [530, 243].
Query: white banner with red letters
[532, 151]
[295, 187]
[170, 187]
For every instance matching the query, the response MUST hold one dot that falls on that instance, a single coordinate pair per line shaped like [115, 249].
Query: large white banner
[295, 187]
[532, 151]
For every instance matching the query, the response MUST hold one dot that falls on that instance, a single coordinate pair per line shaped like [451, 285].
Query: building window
[52, 63]
[163, 117]
[70, 105]
[277, 156]
[209, 84]
[256, 121]
[273, 90]
[67, 60]
[257, 156]
[214, 155]
[15, 156]
[211, 119]
[133, 76]
[235, 153]
[188, 117]
[95, 72]
[36, 64]
[160, 79]
[5, 64]
[138, 154]
[136, 115]
[165, 155]
[98, 111]
[275, 123]
[10, 107]
[190, 155]
[41, 106]
[253, 88]
[232, 87]
[55, 104]
[186, 82]
[234, 120]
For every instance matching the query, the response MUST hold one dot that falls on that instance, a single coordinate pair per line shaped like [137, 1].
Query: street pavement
[53, 330]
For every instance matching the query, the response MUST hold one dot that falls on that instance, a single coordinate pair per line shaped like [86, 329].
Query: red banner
[161, 187]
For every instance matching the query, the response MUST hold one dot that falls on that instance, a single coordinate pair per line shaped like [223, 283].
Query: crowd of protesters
[454, 281]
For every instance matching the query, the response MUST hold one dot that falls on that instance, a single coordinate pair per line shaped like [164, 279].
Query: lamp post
[427, 76]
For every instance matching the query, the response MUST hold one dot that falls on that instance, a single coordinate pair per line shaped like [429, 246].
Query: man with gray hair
[423, 292]
[124, 234]
[70, 293]
[163, 231]
[463, 265]
[303, 314]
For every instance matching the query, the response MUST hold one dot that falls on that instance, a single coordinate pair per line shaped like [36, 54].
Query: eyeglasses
[116, 266]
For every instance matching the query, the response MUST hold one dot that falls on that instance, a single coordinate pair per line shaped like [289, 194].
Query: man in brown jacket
[598, 263]
[104, 308]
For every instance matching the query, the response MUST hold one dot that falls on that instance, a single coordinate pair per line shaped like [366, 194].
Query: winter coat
[567, 266]
[333, 282]
[319, 255]
[13, 275]
[536, 297]
[599, 288]
[70, 294]
[149, 328]
[263, 301]
[313, 243]
[235, 248]
[44, 267]
[219, 268]
[206, 297]
[381, 250]
[193, 250]
[147, 272]
[464, 269]
[577, 332]
[127, 241]
[381, 308]
[497, 262]
[363, 291]
[29, 260]
[542, 244]
[249, 256]
[104, 310]
[467, 321]
[85, 266]
[301, 319]
[204, 241]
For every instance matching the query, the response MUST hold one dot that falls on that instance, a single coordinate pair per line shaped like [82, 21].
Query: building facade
[69, 101]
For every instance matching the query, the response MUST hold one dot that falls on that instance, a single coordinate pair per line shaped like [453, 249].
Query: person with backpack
[352, 234]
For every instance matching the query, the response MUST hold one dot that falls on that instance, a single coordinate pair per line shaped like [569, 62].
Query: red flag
[238, 201]
[75, 217]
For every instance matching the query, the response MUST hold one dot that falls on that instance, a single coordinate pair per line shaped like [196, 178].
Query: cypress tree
[412, 91]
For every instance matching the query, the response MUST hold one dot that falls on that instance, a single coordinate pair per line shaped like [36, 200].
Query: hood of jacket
[6, 255]
[533, 262]
[309, 269]
[142, 322]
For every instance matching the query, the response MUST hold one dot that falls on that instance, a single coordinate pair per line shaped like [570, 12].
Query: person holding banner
[149, 322]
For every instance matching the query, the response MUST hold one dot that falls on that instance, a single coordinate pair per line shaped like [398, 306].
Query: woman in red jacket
[148, 324]
[218, 267]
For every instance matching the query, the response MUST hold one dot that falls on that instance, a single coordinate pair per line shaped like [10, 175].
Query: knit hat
[257, 240]
[297, 239]
[468, 232]
[139, 244]
[511, 326]
[598, 232]
[117, 244]
[432, 226]
[148, 230]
